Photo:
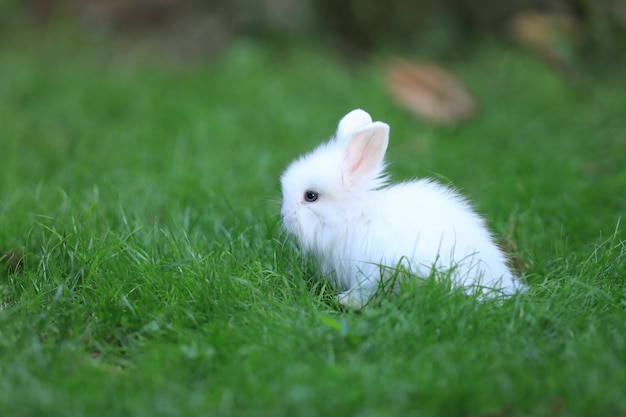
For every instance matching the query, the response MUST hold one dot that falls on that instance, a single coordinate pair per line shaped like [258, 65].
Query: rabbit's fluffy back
[419, 224]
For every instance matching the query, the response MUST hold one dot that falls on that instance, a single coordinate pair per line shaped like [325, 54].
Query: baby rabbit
[339, 206]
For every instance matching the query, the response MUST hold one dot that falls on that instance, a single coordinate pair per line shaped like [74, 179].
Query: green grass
[157, 281]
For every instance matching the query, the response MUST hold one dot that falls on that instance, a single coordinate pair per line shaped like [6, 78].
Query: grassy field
[156, 280]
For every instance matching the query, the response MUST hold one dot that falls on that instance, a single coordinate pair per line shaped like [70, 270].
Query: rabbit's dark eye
[310, 196]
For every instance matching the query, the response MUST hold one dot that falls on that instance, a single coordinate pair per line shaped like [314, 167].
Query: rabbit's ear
[364, 153]
[352, 121]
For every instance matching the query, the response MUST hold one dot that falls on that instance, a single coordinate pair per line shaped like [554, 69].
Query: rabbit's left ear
[364, 153]
[352, 121]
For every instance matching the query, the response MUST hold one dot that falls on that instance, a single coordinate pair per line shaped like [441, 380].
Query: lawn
[157, 282]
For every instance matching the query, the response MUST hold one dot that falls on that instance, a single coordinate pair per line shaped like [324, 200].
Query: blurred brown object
[14, 260]
[429, 92]
[547, 35]
[541, 29]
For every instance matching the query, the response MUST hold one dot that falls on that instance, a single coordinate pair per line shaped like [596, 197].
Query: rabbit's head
[324, 191]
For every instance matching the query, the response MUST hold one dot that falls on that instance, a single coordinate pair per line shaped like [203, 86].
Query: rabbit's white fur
[361, 230]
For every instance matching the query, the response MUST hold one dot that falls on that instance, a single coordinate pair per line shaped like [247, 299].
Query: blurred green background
[576, 31]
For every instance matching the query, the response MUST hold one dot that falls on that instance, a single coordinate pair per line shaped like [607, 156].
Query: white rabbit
[337, 204]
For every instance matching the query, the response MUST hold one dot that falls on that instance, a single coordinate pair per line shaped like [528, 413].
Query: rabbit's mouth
[289, 221]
